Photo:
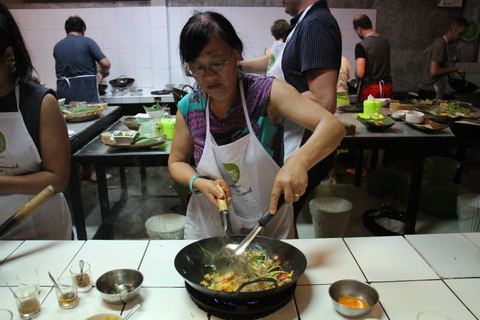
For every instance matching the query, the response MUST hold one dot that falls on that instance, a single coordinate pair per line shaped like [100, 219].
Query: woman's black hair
[200, 29]
[75, 24]
[10, 36]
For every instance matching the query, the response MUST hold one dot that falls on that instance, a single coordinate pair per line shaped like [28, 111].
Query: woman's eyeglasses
[214, 67]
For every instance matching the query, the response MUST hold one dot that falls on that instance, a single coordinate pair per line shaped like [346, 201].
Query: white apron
[18, 156]
[293, 133]
[250, 172]
[441, 83]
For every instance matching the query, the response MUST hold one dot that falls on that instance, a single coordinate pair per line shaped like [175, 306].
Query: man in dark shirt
[76, 57]
[438, 62]
[372, 56]
[311, 61]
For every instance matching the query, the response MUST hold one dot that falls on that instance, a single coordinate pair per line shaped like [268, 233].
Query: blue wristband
[193, 179]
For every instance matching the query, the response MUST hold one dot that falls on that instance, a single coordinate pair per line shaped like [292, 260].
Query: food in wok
[262, 273]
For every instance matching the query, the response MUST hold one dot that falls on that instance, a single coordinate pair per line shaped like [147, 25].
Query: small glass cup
[68, 296]
[28, 305]
[83, 280]
[27, 278]
[6, 314]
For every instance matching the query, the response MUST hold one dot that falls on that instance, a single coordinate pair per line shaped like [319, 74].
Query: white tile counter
[146, 97]
[409, 274]
[450, 255]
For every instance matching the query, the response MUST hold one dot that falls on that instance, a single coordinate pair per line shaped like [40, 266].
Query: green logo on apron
[233, 171]
[3, 144]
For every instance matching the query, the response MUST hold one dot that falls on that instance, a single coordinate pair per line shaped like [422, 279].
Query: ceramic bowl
[355, 289]
[124, 137]
[136, 92]
[105, 316]
[415, 116]
[120, 285]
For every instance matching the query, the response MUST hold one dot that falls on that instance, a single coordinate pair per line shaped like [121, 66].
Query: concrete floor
[163, 198]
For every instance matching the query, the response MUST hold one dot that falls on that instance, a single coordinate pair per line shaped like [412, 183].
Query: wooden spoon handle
[222, 203]
[36, 202]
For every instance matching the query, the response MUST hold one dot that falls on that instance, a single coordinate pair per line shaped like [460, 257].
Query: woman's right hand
[210, 190]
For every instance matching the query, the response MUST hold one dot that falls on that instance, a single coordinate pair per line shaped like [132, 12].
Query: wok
[122, 82]
[191, 263]
[462, 85]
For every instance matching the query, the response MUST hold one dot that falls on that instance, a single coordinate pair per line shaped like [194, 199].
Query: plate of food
[427, 125]
[139, 142]
[376, 123]
[447, 111]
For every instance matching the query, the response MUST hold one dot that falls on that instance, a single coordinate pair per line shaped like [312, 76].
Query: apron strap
[68, 78]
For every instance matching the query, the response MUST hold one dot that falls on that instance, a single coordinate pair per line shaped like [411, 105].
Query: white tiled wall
[142, 42]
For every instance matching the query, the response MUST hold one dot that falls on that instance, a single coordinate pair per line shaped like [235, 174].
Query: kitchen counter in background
[131, 105]
[414, 273]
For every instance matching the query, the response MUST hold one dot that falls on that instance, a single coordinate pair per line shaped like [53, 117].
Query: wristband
[193, 179]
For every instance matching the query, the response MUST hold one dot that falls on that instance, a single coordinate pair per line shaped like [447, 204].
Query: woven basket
[82, 116]
[131, 123]
[103, 106]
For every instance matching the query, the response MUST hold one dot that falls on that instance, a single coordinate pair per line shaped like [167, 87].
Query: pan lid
[472, 32]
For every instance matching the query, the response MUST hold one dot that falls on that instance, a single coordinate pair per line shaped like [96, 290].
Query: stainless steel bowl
[120, 285]
[136, 92]
[355, 289]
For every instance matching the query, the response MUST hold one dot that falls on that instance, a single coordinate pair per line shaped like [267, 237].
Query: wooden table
[399, 136]
[103, 157]
[413, 273]
[83, 132]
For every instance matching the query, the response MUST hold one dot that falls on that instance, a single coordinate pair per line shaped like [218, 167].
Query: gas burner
[235, 310]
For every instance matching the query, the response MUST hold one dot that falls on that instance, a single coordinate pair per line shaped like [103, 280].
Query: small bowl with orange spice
[353, 298]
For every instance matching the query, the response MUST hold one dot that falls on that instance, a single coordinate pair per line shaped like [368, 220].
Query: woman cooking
[232, 126]
[34, 144]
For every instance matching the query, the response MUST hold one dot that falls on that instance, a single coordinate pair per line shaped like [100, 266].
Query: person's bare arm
[105, 67]
[360, 70]
[256, 65]
[54, 152]
[437, 71]
[323, 88]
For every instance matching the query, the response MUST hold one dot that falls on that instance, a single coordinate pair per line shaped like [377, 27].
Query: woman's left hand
[291, 180]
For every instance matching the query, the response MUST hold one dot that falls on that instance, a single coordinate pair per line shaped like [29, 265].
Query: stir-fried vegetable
[259, 266]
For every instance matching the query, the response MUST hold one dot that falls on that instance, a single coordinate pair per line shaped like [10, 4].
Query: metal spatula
[232, 256]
